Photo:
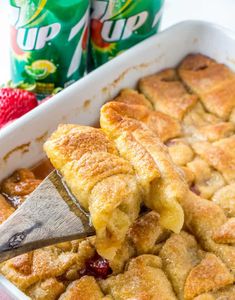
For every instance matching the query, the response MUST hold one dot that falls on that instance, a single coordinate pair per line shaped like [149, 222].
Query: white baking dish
[21, 142]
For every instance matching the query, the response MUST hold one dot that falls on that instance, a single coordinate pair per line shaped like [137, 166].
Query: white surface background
[221, 12]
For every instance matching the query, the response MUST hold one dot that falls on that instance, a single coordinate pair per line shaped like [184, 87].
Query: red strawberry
[96, 28]
[84, 40]
[14, 103]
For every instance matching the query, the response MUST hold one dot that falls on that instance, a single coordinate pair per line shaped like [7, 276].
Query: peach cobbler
[158, 179]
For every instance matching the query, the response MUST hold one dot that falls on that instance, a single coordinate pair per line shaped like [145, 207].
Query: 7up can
[117, 25]
[48, 42]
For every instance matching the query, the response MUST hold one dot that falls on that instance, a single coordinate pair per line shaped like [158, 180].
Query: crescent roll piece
[69, 142]
[213, 82]
[191, 270]
[128, 105]
[143, 279]
[104, 183]
[160, 180]
[206, 220]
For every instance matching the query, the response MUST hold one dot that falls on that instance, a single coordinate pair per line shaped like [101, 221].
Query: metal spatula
[50, 215]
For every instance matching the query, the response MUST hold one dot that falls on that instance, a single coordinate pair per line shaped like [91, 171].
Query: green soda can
[117, 25]
[48, 42]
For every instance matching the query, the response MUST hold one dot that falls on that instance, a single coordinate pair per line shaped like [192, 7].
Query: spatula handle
[48, 216]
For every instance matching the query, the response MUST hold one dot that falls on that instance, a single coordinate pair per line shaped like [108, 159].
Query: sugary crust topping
[47, 262]
[132, 97]
[120, 114]
[167, 94]
[142, 147]
[225, 198]
[70, 142]
[211, 274]
[179, 255]
[180, 152]
[190, 110]
[144, 279]
[217, 131]
[226, 233]
[206, 180]
[84, 289]
[104, 183]
[48, 289]
[23, 263]
[211, 81]
[146, 232]
[220, 155]
[203, 218]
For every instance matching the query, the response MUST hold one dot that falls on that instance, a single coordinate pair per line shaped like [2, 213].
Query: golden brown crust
[211, 274]
[225, 198]
[84, 250]
[84, 174]
[107, 184]
[132, 97]
[220, 155]
[163, 125]
[144, 279]
[191, 271]
[118, 114]
[203, 218]
[188, 175]
[205, 297]
[206, 180]
[180, 151]
[35, 271]
[196, 62]
[49, 289]
[149, 158]
[195, 124]
[166, 192]
[85, 288]
[23, 263]
[146, 232]
[217, 131]
[5, 209]
[226, 293]
[179, 255]
[104, 183]
[141, 160]
[226, 233]
[199, 154]
[47, 262]
[213, 82]
[70, 142]
[167, 93]
[122, 256]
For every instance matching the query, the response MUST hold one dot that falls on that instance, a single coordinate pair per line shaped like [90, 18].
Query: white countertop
[220, 12]
[216, 11]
